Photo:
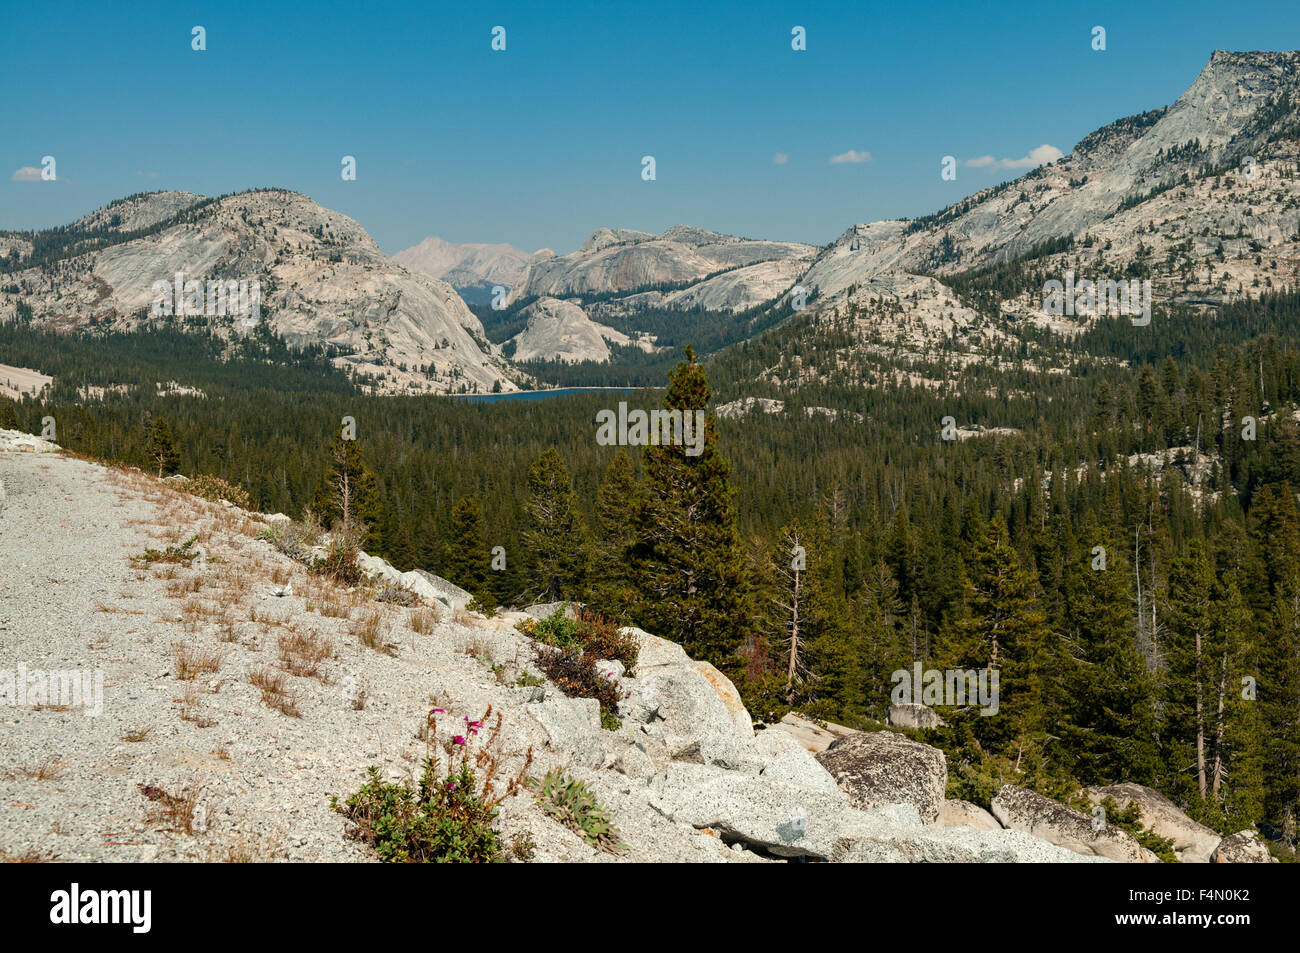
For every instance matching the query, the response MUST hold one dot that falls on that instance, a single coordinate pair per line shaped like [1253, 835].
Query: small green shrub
[555, 630]
[574, 805]
[448, 816]
[443, 821]
[184, 553]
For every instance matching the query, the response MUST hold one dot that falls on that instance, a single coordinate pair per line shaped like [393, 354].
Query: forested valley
[1126, 548]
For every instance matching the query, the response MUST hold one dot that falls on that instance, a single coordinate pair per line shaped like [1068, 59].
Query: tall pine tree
[686, 559]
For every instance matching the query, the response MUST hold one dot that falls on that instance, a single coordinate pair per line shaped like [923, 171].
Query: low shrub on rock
[184, 553]
[575, 674]
[569, 650]
[293, 539]
[1129, 819]
[596, 635]
[574, 805]
[214, 489]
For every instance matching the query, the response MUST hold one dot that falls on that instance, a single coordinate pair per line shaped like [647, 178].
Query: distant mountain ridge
[1162, 195]
[472, 268]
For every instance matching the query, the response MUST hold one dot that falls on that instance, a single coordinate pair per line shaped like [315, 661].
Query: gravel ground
[73, 599]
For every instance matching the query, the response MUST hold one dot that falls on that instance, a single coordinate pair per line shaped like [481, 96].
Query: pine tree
[1213, 732]
[1005, 631]
[884, 649]
[1277, 536]
[349, 497]
[1110, 734]
[466, 561]
[687, 560]
[555, 543]
[612, 592]
[162, 449]
[1186, 685]
[791, 606]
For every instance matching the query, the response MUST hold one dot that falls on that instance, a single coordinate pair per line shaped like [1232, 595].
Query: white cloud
[853, 155]
[1040, 156]
[152, 175]
[28, 173]
[780, 159]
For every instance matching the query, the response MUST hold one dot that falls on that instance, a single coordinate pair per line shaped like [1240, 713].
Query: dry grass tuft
[51, 769]
[194, 660]
[422, 621]
[303, 654]
[275, 691]
[367, 630]
[175, 812]
[192, 708]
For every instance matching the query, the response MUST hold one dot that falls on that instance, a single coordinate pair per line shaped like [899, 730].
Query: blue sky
[542, 143]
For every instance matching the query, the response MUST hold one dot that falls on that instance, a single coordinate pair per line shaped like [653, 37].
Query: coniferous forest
[1124, 548]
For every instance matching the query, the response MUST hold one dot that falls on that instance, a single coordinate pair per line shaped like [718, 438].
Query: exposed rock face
[572, 727]
[19, 442]
[880, 843]
[434, 590]
[1193, 843]
[914, 716]
[623, 260]
[875, 768]
[1244, 847]
[787, 818]
[690, 708]
[323, 281]
[138, 211]
[561, 331]
[1020, 809]
[788, 761]
[784, 819]
[465, 266]
[958, 813]
[544, 610]
[1129, 157]
[1119, 196]
[814, 736]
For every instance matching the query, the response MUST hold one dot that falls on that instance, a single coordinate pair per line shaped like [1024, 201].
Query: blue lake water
[544, 394]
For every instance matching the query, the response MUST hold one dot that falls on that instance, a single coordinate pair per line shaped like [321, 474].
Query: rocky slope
[178, 646]
[703, 268]
[1235, 109]
[561, 331]
[1201, 197]
[323, 281]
